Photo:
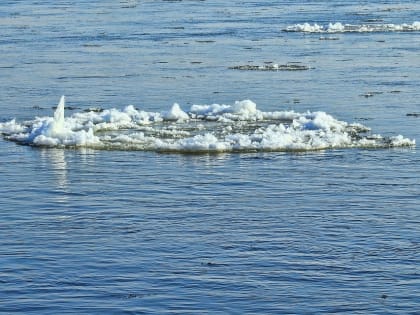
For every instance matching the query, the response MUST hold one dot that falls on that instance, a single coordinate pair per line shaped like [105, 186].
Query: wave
[240, 127]
[350, 28]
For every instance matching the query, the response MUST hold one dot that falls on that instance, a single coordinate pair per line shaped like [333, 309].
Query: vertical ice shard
[58, 124]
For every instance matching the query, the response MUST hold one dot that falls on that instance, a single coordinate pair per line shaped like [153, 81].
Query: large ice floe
[240, 127]
[352, 28]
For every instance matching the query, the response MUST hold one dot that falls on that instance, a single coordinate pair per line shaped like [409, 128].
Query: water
[121, 231]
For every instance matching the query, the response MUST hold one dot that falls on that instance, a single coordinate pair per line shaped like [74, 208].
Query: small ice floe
[352, 28]
[272, 67]
[128, 4]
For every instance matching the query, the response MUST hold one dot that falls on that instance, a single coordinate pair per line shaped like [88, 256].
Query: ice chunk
[58, 123]
[339, 27]
[176, 113]
[246, 107]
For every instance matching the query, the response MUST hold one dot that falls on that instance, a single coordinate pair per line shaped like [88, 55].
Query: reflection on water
[58, 163]
[56, 160]
[87, 155]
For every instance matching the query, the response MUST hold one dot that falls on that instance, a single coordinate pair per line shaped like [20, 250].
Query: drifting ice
[240, 127]
[348, 28]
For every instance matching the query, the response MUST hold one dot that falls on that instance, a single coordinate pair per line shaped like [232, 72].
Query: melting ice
[239, 127]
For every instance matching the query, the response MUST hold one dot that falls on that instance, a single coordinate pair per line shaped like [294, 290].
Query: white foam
[205, 128]
[355, 28]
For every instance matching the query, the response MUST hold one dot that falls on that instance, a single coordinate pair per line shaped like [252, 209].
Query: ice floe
[349, 28]
[271, 67]
[240, 127]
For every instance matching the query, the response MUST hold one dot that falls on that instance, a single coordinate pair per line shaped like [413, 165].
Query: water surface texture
[241, 157]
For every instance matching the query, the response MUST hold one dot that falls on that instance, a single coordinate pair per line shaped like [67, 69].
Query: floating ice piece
[176, 113]
[306, 28]
[240, 127]
[356, 28]
[271, 67]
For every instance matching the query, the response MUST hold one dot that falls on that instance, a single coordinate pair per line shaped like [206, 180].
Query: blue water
[129, 232]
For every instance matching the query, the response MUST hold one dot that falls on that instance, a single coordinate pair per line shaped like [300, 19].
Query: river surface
[154, 209]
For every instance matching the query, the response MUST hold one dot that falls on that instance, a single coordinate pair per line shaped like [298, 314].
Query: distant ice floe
[350, 28]
[240, 127]
[272, 67]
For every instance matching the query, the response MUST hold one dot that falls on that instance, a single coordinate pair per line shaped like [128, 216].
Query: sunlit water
[90, 230]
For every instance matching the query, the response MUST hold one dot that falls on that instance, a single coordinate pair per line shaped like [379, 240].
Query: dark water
[110, 232]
